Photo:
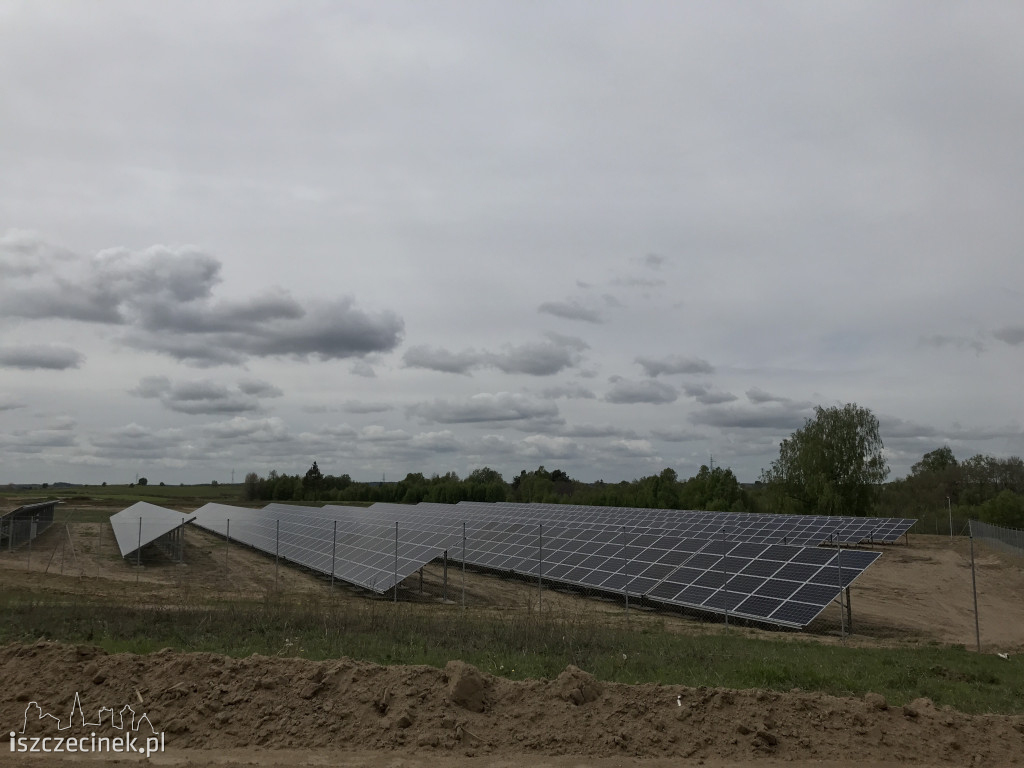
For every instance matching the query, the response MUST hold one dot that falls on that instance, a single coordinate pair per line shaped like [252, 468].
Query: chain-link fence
[1009, 540]
[544, 568]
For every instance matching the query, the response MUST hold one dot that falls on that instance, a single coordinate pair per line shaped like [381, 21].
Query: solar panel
[361, 552]
[715, 562]
[142, 524]
[698, 575]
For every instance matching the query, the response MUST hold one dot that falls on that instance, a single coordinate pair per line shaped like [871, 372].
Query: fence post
[842, 609]
[974, 589]
[444, 585]
[277, 550]
[334, 552]
[725, 580]
[463, 565]
[540, 567]
[227, 541]
[625, 571]
[138, 554]
[396, 562]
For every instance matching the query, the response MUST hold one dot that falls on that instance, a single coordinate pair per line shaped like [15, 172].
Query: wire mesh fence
[1009, 540]
[284, 558]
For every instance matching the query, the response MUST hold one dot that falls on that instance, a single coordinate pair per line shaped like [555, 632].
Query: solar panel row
[142, 524]
[781, 584]
[770, 528]
[717, 562]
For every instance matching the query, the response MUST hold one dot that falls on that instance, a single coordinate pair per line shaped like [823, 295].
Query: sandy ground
[211, 707]
[277, 712]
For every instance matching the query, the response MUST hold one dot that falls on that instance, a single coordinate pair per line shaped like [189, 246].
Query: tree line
[833, 465]
[714, 489]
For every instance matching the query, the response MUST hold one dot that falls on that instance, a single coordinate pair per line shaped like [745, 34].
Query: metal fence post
[842, 608]
[334, 552]
[725, 580]
[227, 541]
[396, 562]
[974, 589]
[540, 567]
[463, 566]
[138, 554]
[625, 571]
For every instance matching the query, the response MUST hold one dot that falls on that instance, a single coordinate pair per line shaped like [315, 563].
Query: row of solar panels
[742, 526]
[729, 566]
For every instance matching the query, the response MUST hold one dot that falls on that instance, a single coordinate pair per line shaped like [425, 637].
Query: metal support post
[950, 505]
[138, 554]
[227, 541]
[334, 552]
[277, 550]
[625, 571]
[463, 566]
[974, 589]
[849, 612]
[839, 565]
[540, 567]
[396, 562]
[444, 587]
[725, 580]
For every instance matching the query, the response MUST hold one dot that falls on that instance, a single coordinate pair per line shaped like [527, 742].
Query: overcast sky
[607, 237]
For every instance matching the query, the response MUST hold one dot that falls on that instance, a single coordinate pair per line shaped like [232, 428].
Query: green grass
[524, 645]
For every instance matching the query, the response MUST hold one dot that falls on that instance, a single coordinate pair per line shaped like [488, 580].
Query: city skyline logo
[140, 735]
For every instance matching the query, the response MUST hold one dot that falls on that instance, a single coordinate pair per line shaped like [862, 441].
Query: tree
[1006, 509]
[251, 487]
[312, 481]
[939, 460]
[833, 465]
[143, 481]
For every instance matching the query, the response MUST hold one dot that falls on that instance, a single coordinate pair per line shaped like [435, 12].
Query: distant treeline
[937, 488]
[712, 489]
[981, 487]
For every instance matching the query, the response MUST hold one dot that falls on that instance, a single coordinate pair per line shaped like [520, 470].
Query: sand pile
[209, 701]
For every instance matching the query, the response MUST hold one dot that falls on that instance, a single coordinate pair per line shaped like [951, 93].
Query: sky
[606, 237]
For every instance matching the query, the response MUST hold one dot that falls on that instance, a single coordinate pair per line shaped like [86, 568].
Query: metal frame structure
[25, 523]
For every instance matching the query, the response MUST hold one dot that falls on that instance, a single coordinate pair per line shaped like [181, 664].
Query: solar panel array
[780, 584]
[763, 567]
[142, 524]
[328, 540]
[741, 526]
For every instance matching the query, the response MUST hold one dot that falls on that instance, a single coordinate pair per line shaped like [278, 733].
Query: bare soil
[212, 706]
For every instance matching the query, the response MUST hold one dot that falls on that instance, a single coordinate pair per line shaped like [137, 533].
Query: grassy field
[522, 646]
[130, 493]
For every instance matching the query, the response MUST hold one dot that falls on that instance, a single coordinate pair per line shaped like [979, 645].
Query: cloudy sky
[608, 237]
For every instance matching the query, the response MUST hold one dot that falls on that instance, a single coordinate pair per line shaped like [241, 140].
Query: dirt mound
[577, 686]
[212, 702]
